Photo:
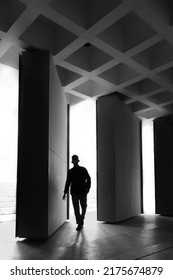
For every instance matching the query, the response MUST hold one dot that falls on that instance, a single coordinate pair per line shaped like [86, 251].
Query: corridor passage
[144, 237]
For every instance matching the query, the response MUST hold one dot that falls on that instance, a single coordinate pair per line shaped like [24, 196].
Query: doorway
[83, 143]
[8, 141]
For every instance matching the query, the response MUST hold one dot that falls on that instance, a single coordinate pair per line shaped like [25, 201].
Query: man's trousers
[79, 201]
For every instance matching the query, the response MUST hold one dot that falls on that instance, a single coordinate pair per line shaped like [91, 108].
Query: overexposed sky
[8, 123]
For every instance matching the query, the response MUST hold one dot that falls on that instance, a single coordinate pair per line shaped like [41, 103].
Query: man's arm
[88, 180]
[67, 185]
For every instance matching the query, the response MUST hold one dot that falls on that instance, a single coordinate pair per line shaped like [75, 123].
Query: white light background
[8, 124]
[83, 141]
[148, 167]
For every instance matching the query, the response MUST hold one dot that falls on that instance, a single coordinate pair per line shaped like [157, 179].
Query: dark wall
[163, 153]
[106, 159]
[119, 161]
[37, 188]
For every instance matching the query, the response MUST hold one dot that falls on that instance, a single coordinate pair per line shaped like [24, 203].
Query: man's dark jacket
[79, 180]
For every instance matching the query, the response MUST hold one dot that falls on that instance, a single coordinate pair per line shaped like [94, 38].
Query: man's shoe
[79, 227]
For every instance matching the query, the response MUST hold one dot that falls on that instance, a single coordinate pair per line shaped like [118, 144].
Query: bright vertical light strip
[148, 167]
[83, 141]
[8, 138]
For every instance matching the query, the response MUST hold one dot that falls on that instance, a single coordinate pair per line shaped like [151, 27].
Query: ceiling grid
[99, 47]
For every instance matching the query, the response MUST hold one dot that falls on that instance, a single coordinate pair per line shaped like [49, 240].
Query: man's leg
[75, 201]
[83, 203]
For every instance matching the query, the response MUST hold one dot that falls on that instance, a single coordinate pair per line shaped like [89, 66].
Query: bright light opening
[8, 140]
[148, 167]
[83, 142]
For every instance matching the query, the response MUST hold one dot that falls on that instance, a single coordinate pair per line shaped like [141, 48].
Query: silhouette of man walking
[79, 182]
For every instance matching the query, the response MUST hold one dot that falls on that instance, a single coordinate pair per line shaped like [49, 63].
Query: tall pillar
[118, 161]
[42, 147]
[163, 154]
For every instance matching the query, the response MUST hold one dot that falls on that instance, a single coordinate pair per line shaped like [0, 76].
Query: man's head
[75, 160]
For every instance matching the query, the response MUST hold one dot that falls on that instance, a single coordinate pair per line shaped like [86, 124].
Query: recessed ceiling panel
[155, 56]
[44, 34]
[84, 12]
[150, 114]
[163, 8]
[66, 76]
[167, 75]
[119, 74]
[73, 99]
[10, 10]
[127, 32]
[88, 58]
[91, 88]
[142, 87]
[161, 97]
[75, 10]
[137, 106]
[97, 9]
[169, 108]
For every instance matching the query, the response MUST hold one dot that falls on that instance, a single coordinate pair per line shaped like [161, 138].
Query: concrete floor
[143, 237]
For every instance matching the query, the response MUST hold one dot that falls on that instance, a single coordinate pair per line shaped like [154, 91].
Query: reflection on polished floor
[144, 237]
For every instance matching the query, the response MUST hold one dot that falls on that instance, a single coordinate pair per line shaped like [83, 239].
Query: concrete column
[119, 161]
[42, 147]
[163, 154]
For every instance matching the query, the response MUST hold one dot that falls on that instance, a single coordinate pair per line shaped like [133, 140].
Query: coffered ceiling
[99, 47]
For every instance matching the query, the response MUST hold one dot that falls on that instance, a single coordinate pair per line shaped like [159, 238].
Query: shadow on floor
[143, 237]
